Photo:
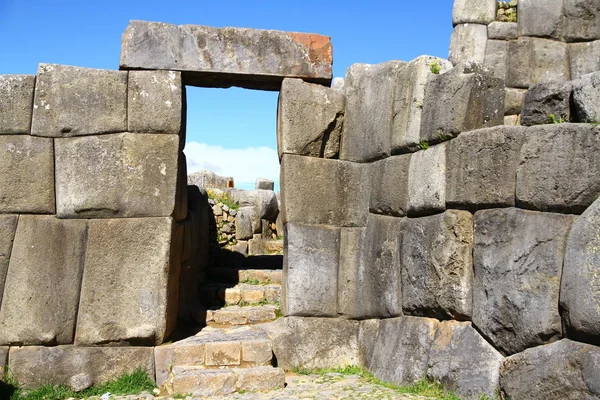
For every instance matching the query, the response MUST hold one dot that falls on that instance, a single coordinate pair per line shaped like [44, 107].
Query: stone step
[222, 294]
[234, 275]
[247, 315]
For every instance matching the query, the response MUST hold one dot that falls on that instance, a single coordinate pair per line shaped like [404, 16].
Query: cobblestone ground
[321, 387]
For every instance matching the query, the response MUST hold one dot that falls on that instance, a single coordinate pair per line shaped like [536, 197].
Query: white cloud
[245, 165]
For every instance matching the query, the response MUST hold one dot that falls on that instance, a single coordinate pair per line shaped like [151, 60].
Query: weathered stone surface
[369, 91]
[464, 98]
[310, 266]
[580, 285]
[541, 18]
[208, 179]
[309, 119]
[8, 226]
[201, 382]
[389, 185]
[73, 101]
[118, 175]
[223, 57]
[545, 99]
[533, 60]
[503, 30]
[130, 293]
[427, 181]
[513, 100]
[437, 265]
[260, 378]
[586, 98]
[367, 338]
[481, 168]
[467, 43]
[243, 223]
[48, 254]
[26, 174]
[223, 354]
[402, 349]
[512, 120]
[369, 272]
[518, 258]
[155, 102]
[3, 361]
[264, 184]
[80, 382]
[581, 20]
[303, 342]
[559, 169]
[338, 191]
[16, 99]
[263, 201]
[584, 58]
[473, 11]
[562, 370]
[35, 366]
[463, 361]
[496, 54]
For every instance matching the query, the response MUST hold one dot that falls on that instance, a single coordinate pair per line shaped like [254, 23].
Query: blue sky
[231, 131]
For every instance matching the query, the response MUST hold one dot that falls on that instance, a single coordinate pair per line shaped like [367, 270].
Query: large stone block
[545, 99]
[427, 181]
[389, 185]
[73, 101]
[503, 30]
[16, 102]
[8, 226]
[309, 119]
[473, 11]
[41, 291]
[402, 349]
[481, 168]
[464, 98]
[437, 265]
[155, 102]
[534, 60]
[496, 54]
[129, 294]
[559, 169]
[513, 101]
[562, 370]
[310, 268]
[367, 338]
[302, 342]
[369, 283]
[580, 285]
[370, 98]
[224, 57]
[467, 43]
[118, 175]
[586, 98]
[34, 366]
[263, 201]
[26, 174]
[518, 257]
[464, 362]
[581, 20]
[584, 58]
[327, 192]
[542, 18]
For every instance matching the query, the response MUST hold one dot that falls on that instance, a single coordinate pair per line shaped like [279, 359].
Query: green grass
[132, 383]
[224, 199]
[553, 119]
[423, 145]
[435, 66]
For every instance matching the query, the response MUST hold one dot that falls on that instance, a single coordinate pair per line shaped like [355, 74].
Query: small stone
[80, 382]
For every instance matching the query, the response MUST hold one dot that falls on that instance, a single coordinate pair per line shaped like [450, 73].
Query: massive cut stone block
[496, 53]
[580, 285]
[118, 175]
[402, 349]
[464, 98]
[41, 291]
[224, 57]
[467, 43]
[369, 283]
[437, 265]
[16, 102]
[8, 226]
[327, 192]
[34, 366]
[300, 342]
[584, 58]
[309, 119]
[533, 60]
[545, 99]
[559, 168]
[427, 181]
[73, 101]
[129, 294]
[389, 185]
[481, 168]
[502, 30]
[586, 98]
[310, 266]
[562, 370]
[26, 174]
[367, 338]
[473, 11]
[463, 361]
[541, 18]
[263, 201]
[581, 20]
[369, 91]
[155, 102]
[518, 257]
